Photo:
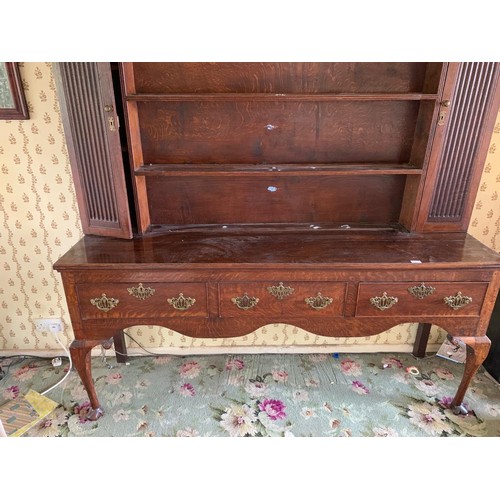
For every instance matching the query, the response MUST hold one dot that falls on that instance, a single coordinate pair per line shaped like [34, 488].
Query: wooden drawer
[427, 299]
[260, 299]
[147, 300]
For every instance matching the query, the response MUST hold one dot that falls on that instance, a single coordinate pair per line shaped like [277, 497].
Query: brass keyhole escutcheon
[181, 303]
[141, 292]
[280, 291]
[457, 301]
[318, 302]
[245, 302]
[104, 303]
[421, 291]
[384, 302]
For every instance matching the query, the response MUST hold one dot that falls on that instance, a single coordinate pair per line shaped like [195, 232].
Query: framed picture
[12, 101]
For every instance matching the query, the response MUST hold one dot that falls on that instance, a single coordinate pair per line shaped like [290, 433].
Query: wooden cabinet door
[467, 114]
[91, 127]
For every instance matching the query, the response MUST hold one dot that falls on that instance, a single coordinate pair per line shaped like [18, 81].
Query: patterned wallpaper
[39, 221]
[39, 218]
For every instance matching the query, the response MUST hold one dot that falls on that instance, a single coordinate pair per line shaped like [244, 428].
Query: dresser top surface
[279, 248]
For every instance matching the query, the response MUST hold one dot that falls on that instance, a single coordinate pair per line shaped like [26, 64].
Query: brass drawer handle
[421, 291]
[457, 301]
[384, 302]
[245, 302]
[318, 302]
[140, 292]
[104, 303]
[181, 303]
[280, 291]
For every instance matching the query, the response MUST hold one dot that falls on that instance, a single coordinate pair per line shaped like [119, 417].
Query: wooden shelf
[284, 169]
[247, 96]
[353, 228]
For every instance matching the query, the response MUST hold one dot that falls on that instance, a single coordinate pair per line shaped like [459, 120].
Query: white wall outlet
[53, 325]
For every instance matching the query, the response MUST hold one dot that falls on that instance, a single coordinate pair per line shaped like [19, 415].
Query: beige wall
[39, 221]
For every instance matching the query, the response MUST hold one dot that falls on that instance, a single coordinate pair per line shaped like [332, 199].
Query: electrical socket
[53, 325]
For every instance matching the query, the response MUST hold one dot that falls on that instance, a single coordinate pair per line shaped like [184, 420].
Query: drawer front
[142, 300]
[420, 299]
[281, 299]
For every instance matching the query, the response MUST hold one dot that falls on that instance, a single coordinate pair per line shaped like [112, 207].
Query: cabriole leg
[477, 350]
[80, 354]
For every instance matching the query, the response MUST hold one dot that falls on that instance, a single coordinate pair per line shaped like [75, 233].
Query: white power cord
[70, 363]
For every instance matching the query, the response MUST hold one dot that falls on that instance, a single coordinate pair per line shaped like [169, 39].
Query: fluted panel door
[462, 152]
[92, 130]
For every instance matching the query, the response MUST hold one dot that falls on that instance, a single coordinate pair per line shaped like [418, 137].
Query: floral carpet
[302, 395]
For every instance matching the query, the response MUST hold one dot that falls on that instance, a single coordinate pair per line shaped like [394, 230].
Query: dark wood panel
[287, 77]
[284, 132]
[464, 146]
[91, 127]
[265, 199]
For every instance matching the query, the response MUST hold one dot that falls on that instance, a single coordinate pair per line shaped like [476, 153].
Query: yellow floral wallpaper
[39, 221]
[39, 218]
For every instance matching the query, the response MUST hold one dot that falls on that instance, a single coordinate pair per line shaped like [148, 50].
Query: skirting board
[188, 351]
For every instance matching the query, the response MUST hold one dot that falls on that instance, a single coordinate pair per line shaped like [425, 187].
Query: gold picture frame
[12, 100]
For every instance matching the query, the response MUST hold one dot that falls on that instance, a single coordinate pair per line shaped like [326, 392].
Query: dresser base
[224, 286]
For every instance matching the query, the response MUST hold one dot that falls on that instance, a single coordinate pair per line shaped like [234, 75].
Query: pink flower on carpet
[280, 375]
[384, 432]
[237, 364]
[358, 387]
[429, 419]
[350, 367]
[82, 411]
[308, 413]
[427, 386]
[187, 390]
[25, 373]
[445, 402]
[114, 378]
[444, 374]
[334, 423]
[312, 382]
[47, 428]
[274, 408]
[190, 369]
[391, 361]
[11, 392]
[255, 388]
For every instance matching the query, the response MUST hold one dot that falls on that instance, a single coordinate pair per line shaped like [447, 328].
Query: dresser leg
[120, 347]
[477, 350]
[80, 354]
[420, 345]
